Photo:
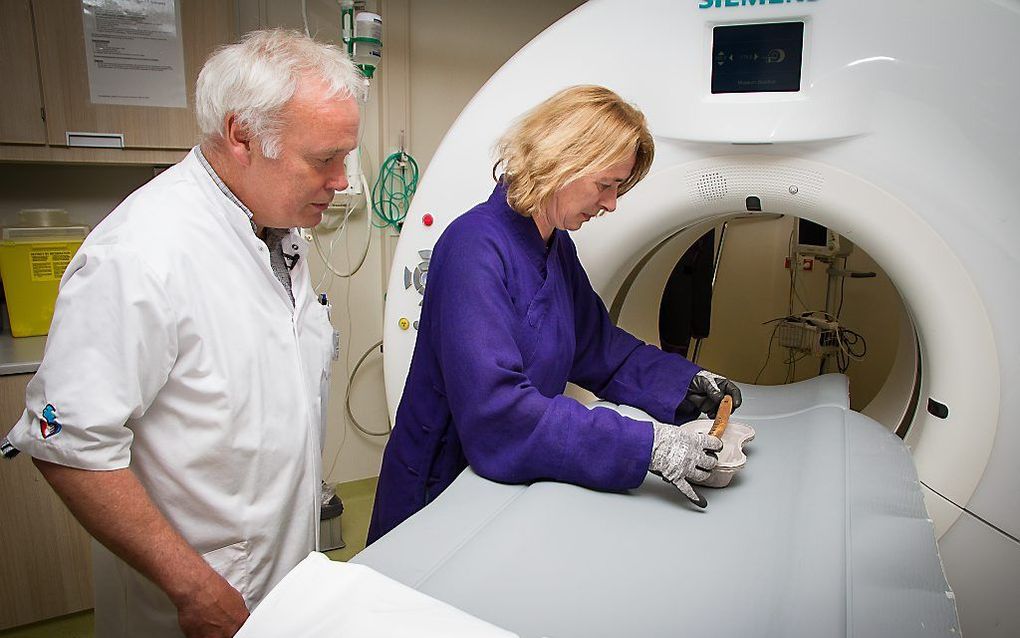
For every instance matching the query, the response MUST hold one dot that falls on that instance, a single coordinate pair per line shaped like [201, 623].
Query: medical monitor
[815, 239]
[757, 58]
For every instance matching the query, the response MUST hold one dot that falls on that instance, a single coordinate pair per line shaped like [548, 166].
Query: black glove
[706, 393]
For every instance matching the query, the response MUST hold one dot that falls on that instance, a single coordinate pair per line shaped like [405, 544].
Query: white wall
[456, 45]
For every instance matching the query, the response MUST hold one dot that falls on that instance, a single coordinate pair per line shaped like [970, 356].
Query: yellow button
[404, 323]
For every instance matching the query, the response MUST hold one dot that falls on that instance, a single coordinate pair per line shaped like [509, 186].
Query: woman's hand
[707, 390]
[679, 457]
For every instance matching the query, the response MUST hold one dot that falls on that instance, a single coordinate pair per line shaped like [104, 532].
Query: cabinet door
[60, 34]
[21, 116]
[45, 555]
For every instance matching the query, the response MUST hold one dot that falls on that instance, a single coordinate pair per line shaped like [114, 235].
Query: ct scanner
[900, 134]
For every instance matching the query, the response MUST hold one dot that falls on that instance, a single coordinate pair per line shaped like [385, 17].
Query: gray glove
[679, 456]
[707, 390]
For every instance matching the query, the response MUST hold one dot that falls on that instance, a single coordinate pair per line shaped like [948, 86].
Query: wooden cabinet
[21, 117]
[45, 555]
[47, 38]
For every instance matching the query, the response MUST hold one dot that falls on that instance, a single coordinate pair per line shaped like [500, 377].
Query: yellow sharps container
[32, 261]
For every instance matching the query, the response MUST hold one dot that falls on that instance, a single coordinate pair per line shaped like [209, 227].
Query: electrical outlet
[802, 262]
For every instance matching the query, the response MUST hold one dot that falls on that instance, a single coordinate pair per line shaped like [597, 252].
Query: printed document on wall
[134, 53]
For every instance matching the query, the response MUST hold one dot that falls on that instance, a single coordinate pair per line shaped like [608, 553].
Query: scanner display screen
[757, 58]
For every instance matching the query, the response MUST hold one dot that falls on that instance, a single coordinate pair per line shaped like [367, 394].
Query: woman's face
[584, 198]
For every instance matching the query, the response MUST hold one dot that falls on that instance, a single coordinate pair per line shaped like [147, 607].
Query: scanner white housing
[904, 126]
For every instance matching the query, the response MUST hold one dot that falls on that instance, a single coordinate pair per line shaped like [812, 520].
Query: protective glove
[679, 457]
[706, 393]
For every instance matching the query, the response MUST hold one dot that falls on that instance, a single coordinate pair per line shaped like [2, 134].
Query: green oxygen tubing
[393, 189]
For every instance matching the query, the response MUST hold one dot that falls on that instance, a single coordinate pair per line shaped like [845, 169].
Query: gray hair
[256, 77]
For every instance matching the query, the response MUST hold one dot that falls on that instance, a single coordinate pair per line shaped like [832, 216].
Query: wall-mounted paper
[134, 52]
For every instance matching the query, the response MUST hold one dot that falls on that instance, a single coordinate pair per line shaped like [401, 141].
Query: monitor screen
[757, 58]
[811, 234]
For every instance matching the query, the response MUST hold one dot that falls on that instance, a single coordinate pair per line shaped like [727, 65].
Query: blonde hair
[579, 131]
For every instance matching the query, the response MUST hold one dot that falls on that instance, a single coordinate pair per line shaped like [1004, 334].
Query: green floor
[357, 497]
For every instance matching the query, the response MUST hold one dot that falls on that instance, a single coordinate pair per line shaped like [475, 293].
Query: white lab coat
[175, 350]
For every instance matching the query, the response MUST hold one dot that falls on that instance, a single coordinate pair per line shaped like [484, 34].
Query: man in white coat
[177, 410]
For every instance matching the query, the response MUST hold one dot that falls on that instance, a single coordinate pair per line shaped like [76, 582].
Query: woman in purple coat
[509, 317]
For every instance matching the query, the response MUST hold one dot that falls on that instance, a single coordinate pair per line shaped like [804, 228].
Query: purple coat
[505, 324]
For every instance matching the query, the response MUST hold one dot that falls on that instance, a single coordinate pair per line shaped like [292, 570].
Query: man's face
[295, 188]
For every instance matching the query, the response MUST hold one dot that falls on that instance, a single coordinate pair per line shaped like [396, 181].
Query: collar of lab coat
[294, 244]
[200, 156]
[524, 227]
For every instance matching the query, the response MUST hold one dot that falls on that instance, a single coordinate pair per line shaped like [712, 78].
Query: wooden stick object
[722, 417]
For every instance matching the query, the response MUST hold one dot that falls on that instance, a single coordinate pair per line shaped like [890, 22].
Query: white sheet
[321, 597]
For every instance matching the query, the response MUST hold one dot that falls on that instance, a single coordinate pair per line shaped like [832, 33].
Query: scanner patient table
[823, 533]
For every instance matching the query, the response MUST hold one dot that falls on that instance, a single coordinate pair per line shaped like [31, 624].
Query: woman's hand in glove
[679, 457]
[707, 390]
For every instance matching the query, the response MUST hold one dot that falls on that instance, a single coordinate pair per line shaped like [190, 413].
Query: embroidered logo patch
[49, 425]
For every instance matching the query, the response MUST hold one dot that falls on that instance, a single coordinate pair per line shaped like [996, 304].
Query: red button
[427, 219]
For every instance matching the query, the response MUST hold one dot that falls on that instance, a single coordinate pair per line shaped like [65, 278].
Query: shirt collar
[537, 249]
[223, 187]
